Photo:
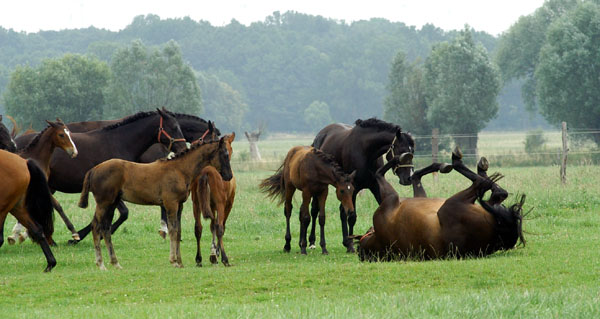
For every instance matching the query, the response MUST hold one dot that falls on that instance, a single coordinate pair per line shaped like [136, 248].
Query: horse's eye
[342, 191]
[61, 135]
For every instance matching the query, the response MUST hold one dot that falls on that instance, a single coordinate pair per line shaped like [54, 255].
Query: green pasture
[556, 275]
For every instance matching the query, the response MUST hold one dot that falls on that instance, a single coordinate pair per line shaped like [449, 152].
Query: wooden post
[565, 150]
[434, 149]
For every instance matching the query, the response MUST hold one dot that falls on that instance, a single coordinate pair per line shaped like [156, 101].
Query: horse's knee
[352, 218]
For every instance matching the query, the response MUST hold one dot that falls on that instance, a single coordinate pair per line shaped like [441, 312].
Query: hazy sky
[493, 16]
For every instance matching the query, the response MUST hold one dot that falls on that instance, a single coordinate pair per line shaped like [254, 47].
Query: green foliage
[461, 88]
[224, 105]
[147, 78]
[567, 72]
[317, 115]
[534, 141]
[69, 88]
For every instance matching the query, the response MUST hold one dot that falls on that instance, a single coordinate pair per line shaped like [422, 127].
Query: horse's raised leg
[123, 214]
[287, 210]
[36, 233]
[322, 198]
[498, 193]
[304, 220]
[197, 233]
[418, 190]
[314, 213]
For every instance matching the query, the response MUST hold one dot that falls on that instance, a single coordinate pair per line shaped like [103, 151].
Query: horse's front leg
[213, 246]
[287, 211]
[220, 231]
[351, 222]
[304, 220]
[322, 198]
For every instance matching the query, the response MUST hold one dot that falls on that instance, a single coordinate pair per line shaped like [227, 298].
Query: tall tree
[223, 104]
[461, 89]
[317, 115]
[146, 78]
[568, 71]
[406, 105]
[70, 88]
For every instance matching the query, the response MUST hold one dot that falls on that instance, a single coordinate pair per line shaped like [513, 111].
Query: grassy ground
[555, 275]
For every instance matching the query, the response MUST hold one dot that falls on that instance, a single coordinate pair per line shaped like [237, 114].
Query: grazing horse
[127, 139]
[6, 140]
[55, 135]
[26, 196]
[431, 228]
[213, 199]
[360, 149]
[311, 171]
[162, 183]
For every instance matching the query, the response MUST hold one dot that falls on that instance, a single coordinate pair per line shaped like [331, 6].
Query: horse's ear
[232, 137]
[51, 123]
[211, 126]
[352, 175]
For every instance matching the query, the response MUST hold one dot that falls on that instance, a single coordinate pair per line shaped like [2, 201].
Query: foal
[311, 171]
[213, 199]
[163, 183]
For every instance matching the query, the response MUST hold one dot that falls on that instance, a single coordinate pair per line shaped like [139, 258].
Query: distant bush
[534, 141]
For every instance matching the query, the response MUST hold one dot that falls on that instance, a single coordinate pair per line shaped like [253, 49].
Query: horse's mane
[192, 117]
[187, 151]
[129, 119]
[35, 140]
[377, 124]
[330, 160]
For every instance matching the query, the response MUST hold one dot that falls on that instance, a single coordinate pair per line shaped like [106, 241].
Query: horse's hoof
[102, 267]
[162, 234]
[446, 168]
[73, 242]
[117, 266]
[483, 164]
[312, 246]
[325, 252]
[457, 154]
[75, 236]
[303, 251]
[286, 248]
[226, 264]
[11, 240]
[213, 259]
[199, 265]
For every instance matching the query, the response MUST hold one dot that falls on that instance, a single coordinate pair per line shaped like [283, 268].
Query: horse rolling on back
[40, 149]
[116, 180]
[431, 228]
[26, 196]
[212, 197]
[311, 171]
[360, 148]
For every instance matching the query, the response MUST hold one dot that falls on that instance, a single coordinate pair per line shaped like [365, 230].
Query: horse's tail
[274, 186]
[85, 191]
[15, 129]
[38, 201]
[203, 196]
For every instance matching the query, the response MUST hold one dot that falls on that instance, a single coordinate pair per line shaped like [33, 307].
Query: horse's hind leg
[95, 225]
[314, 213]
[172, 223]
[163, 230]
[65, 219]
[197, 233]
[36, 233]
[214, 249]
[287, 210]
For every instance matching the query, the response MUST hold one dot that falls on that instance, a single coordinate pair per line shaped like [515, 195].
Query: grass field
[556, 275]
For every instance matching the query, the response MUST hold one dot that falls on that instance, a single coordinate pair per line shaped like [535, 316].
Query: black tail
[38, 200]
[203, 193]
[85, 191]
[509, 222]
[274, 186]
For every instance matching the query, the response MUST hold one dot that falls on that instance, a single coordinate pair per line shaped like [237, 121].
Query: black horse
[360, 148]
[6, 141]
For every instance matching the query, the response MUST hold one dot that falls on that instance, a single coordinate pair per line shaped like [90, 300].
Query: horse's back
[330, 135]
[14, 175]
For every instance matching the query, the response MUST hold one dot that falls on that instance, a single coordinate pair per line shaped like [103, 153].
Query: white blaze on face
[75, 152]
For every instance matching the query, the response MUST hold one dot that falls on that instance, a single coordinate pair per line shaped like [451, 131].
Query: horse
[311, 171]
[6, 141]
[127, 139]
[360, 148]
[26, 196]
[432, 228]
[212, 198]
[40, 149]
[116, 180]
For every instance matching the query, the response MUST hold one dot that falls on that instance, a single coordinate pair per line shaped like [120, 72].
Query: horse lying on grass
[431, 228]
[311, 171]
[163, 183]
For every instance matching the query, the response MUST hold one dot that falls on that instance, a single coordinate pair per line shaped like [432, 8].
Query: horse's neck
[375, 143]
[41, 152]
[192, 163]
[386, 190]
[136, 136]
[192, 128]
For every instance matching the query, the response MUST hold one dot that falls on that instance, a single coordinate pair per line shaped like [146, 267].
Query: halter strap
[391, 149]
[201, 139]
[369, 233]
[161, 130]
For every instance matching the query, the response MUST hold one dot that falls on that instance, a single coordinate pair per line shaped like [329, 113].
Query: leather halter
[201, 139]
[394, 155]
[161, 130]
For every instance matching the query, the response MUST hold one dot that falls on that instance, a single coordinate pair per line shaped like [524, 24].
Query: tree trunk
[253, 140]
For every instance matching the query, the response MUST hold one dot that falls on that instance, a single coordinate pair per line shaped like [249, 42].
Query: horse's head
[199, 134]
[403, 143]
[344, 189]
[220, 160]
[6, 141]
[169, 132]
[509, 223]
[61, 137]
[368, 246]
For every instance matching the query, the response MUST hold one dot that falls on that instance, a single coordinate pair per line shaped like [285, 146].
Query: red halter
[161, 130]
[201, 139]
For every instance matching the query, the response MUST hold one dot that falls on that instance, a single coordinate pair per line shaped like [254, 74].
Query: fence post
[565, 150]
[434, 149]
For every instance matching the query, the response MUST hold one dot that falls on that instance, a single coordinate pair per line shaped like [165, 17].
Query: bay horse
[360, 148]
[40, 149]
[311, 171]
[127, 139]
[115, 180]
[432, 228]
[26, 196]
[6, 141]
[212, 198]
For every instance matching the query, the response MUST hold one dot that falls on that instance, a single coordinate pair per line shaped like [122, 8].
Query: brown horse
[163, 183]
[55, 135]
[213, 199]
[431, 228]
[26, 196]
[311, 171]
[6, 141]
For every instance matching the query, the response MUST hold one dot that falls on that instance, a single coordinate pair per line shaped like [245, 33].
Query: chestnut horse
[26, 196]
[431, 228]
[55, 135]
[360, 148]
[162, 183]
[311, 171]
[213, 199]
[6, 140]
